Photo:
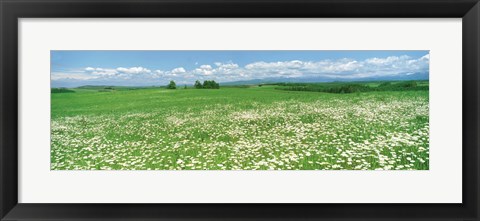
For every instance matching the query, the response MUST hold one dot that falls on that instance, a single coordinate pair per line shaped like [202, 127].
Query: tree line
[206, 85]
[341, 88]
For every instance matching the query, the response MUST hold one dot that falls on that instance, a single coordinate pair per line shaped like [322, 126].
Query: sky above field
[147, 68]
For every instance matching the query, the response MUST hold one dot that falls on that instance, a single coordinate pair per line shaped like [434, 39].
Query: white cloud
[73, 76]
[387, 61]
[134, 70]
[204, 70]
[179, 70]
[101, 71]
[226, 65]
[425, 57]
[206, 67]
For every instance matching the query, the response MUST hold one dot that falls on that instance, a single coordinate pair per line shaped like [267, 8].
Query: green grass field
[238, 128]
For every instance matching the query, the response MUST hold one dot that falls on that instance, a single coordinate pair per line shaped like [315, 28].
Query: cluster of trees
[206, 85]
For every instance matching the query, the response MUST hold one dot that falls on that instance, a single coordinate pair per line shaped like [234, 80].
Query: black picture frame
[12, 10]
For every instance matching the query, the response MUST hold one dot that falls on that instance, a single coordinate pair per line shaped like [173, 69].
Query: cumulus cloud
[206, 66]
[204, 70]
[72, 76]
[279, 65]
[101, 71]
[178, 70]
[226, 66]
[134, 70]
[109, 72]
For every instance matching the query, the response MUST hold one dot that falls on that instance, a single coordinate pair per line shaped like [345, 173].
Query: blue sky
[143, 68]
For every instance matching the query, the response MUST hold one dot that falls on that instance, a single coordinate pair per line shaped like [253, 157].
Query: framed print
[233, 116]
[172, 110]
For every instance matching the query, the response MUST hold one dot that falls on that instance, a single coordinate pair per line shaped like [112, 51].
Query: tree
[185, 87]
[198, 85]
[172, 85]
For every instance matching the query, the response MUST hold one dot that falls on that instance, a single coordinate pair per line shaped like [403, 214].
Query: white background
[441, 184]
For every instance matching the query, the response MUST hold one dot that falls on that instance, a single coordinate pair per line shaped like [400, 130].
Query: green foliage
[198, 85]
[172, 85]
[408, 84]
[107, 89]
[385, 84]
[61, 90]
[347, 87]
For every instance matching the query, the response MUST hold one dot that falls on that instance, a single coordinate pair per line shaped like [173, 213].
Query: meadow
[267, 127]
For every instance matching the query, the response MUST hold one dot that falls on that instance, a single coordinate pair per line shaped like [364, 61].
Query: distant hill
[249, 82]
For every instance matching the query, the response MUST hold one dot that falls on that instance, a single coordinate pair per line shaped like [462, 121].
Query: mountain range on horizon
[322, 79]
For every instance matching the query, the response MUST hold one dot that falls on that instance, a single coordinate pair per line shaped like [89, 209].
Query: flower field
[234, 128]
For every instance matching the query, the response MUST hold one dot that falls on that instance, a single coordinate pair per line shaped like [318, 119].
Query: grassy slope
[91, 102]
